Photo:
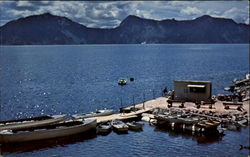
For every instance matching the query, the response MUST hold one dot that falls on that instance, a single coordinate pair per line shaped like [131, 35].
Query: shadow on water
[44, 144]
[199, 137]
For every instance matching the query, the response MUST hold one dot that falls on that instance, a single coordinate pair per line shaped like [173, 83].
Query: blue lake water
[36, 80]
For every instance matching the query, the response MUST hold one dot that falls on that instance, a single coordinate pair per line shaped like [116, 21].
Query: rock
[153, 121]
[195, 111]
[234, 118]
[243, 122]
[225, 115]
[217, 115]
[211, 114]
[146, 119]
[148, 115]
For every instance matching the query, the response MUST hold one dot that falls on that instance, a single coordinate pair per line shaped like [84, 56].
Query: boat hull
[25, 136]
[29, 123]
[135, 126]
[104, 128]
[120, 130]
[119, 126]
[89, 115]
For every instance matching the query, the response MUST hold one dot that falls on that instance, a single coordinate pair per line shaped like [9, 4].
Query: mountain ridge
[51, 29]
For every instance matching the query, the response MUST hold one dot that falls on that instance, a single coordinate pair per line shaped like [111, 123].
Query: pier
[186, 117]
[154, 106]
[120, 116]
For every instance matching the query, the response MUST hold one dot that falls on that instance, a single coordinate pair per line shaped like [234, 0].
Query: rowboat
[135, 126]
[31, 122]
[63, 129]
[119, 126]
[189, 120]
[208, 125]
[163, 119]
[97, 113]
[122, 82]
[104, 128]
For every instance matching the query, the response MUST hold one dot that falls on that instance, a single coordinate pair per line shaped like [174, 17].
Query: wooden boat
[31, 122]
[135, 126]
[119, 126]
[163, 119]
[97, 113]
[104, 128]
[208, 125]
[47, 132]
[189, 120]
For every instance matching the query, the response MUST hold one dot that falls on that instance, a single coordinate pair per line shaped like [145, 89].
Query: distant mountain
[49, 29]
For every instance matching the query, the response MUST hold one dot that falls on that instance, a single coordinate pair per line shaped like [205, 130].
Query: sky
[100, 14]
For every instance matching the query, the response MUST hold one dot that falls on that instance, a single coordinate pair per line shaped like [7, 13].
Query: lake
[40, 80]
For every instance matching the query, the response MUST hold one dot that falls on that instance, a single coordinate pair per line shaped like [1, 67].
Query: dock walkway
[120, 116]
[161, 103]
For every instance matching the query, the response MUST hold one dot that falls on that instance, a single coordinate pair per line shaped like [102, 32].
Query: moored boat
[97, 113]
[189, 120]
[135, 126]
[66, 128]
[122, 82]
[163, 119]
[31, 122]
[119, 126]
[208, 125]
[104, 128]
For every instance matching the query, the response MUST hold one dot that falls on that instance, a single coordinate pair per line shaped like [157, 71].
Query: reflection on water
[48, 80]
[201, 138]
[145, 143]
[45, 144]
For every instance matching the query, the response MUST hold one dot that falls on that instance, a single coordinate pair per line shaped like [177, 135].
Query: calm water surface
[37, 80]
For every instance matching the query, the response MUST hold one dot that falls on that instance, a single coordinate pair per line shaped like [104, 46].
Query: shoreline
[218, 112]
[161, 102]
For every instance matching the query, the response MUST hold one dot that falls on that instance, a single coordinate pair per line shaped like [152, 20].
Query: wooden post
[1, 150]
[134, 102]
[143, 101]
[153, 94]
[121, 101]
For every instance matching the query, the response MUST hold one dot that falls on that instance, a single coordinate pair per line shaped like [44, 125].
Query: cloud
[239, 15]
[182, 3]
[23, 6]
[111, 13]
[247, 21]
[191, 11]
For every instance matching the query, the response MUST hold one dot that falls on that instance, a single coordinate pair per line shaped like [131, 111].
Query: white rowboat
[31, 122]
[47, 132]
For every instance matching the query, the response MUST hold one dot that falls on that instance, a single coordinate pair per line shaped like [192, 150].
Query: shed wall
[185, 93]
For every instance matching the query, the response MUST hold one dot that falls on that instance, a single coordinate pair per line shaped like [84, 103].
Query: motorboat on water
[122, 82]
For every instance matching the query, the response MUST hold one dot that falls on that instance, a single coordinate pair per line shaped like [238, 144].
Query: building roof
[191, 81]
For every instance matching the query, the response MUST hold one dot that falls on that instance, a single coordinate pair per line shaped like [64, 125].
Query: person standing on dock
[164, 91]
